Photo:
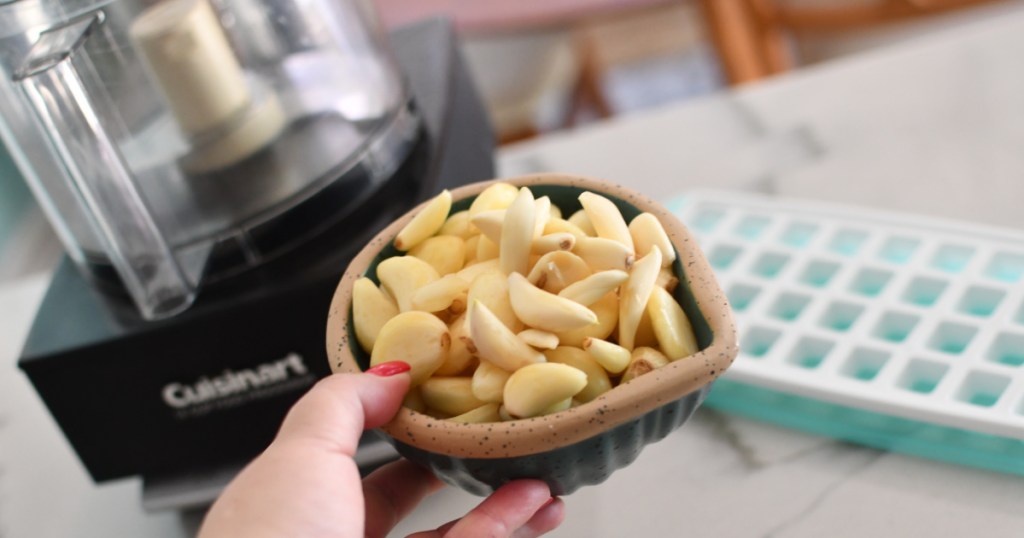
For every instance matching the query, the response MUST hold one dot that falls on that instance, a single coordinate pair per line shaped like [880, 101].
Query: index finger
[506, 512]
[392, 491]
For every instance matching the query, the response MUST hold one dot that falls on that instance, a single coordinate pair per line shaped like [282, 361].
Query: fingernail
[546, 503]
[390, 368]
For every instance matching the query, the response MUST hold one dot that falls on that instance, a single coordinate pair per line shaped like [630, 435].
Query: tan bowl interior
[615, 407]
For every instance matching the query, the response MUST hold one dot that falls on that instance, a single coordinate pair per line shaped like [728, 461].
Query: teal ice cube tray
[900, 332]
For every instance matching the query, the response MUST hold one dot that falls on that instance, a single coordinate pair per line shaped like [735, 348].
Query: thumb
[307, 474]
[339, 407]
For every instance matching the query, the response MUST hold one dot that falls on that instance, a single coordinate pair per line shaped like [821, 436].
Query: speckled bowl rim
[615, 407]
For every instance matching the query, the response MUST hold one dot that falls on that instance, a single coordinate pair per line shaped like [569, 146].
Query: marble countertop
[932, 126]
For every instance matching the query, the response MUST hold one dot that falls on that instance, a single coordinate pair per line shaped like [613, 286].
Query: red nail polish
[390, 368]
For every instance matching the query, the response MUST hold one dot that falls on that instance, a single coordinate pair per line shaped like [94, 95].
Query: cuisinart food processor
[172, 143]
[210, 166]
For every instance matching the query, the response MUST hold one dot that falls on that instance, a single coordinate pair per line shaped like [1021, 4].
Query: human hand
[306, 483]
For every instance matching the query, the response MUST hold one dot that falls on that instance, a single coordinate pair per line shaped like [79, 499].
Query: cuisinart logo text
[232, 388]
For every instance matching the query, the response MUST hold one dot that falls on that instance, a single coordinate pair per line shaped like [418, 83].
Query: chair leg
[588, 90]
[518, 136]
[775, 48]
[737, 38]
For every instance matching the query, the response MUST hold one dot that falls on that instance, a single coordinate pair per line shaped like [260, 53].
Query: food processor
[174, 144]
[211, 166]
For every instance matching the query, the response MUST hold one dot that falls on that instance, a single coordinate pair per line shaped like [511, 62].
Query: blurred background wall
[545, 66]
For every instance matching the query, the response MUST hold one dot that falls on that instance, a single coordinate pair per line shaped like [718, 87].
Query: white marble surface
[934, 126]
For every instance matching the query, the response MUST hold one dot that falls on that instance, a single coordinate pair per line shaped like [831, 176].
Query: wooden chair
[550, 47]
[637, 31]
[752, 36]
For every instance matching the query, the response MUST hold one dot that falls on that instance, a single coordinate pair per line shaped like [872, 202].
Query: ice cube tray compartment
[875, 316]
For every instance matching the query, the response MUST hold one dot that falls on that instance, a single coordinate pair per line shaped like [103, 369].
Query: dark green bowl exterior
[587, 462]
[565, 469]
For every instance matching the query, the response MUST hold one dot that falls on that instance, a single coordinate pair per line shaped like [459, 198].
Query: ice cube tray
[896, 331]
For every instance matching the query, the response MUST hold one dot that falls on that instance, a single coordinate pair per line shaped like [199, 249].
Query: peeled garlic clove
[556, 407]
[667, 279]
[671, 326]
[489, 223]
[459, 359]
[552, 242]
[434, 413]
[634, 294]
[491, 289]
[371, 309]
[490, 340]
[413, 400]
[582, 221]
[439, 294]
[483, 414]
[647, 231]
[559, 225]
[645, 331]
[644, 360]
[611, 357]
[416, 338]
[504, 414]
[555, 270]
[542, 214]
[445, 253]
[470, 272]
[497, 196]
[459, 303]
[597, 378]
[401, 276]
[556, 213]
[489, 382]
[457, 225]
[546, 311]
[426, 223]
[517, 234]
[446, 316]
[606, 219]
[604, 254]
[590, 290]
[472, 244]
[533, 389]
[607, 311]
[487, 249]
[449, 395]
[539, 339]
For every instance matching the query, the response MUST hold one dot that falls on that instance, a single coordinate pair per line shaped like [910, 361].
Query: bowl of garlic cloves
[555, 325]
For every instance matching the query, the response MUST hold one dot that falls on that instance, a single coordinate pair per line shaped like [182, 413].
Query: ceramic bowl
[582, 445]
